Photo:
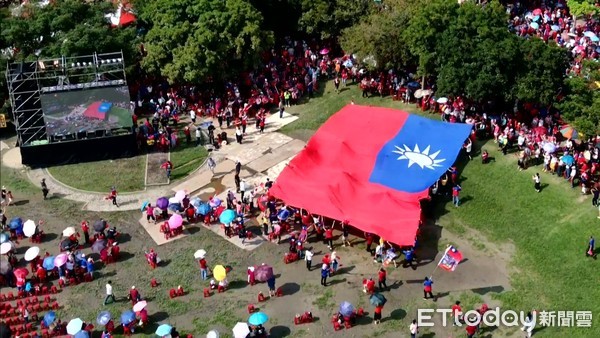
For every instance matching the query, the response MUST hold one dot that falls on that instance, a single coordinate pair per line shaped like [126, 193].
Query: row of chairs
[44, 290]
[30, 308]
[25, 301]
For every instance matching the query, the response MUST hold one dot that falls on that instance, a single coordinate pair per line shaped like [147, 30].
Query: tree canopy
[581, 104]
[193, 41]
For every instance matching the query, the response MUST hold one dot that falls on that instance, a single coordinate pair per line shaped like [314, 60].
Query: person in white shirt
[414, 329]
[193, 116]
[109, 293]
[308, 255]
[198, 136]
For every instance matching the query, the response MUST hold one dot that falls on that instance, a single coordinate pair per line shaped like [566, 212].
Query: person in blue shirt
[428, 288]
[90, 267]
[409, 258]
[591, 247]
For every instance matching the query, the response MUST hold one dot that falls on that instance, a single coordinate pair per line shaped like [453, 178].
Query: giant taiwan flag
[371, 166]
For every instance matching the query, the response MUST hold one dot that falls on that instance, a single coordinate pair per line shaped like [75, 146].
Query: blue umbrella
[595, 38]
[568, 159]
[175, 206]
[103, 318]
[555, 28]
[414, 84]
[346, 309]
[589, 34]
[534, 25]
[227, 216]
[163, 330]
[144, 205]
[203, 209]
[536, 18]
[15, 223]
[4, 238]
[48, 263]
[82, 334]
[49, 318]
[196, 202]
[258, 318]
[283, 214]
[127, 317]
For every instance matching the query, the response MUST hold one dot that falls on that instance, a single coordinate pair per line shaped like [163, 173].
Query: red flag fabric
[365, 165]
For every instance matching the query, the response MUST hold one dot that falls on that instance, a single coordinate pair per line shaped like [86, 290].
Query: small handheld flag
[451, 259]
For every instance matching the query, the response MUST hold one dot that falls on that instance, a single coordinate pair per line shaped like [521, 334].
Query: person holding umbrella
[378, 300]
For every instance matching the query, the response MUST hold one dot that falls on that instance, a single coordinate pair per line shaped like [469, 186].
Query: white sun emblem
[421, 158]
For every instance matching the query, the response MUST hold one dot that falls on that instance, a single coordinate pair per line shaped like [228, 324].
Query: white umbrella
[32, 253]
[29, 228]
[6, 247]
[69, 232]
[442, 100]
[240, 330]
[139, 306]
[74, 326]
[212, 334]
[199, 254]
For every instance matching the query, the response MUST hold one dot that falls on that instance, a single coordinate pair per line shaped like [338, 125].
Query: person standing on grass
[113, 196]
[382, 279]
[414, 329]
[377, 315]
[428, 288]
[345, 234]
[537, 182]
[329, 237]
[203, 268]
[45, 189]
[456, 195]
[471, 330]
[85, 228]
[456, 312]
[591, 247]
[308, 255]
[324, 274]
[109, 293]
[198, 136]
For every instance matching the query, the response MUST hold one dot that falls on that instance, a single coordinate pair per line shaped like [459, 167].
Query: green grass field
[126, 174]
[549, 230]
[186, 159]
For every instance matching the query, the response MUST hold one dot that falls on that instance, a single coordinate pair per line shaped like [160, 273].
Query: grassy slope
[549, 230]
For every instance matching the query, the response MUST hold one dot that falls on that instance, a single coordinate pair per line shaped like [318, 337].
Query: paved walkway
[262, 155]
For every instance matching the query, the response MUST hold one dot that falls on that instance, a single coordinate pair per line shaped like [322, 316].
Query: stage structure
[72, 109]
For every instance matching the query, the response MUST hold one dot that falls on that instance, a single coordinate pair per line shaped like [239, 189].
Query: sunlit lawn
[549, 230]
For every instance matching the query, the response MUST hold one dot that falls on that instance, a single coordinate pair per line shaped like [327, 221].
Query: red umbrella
[540, 130]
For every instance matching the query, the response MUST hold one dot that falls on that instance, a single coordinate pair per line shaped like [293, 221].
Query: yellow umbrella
[219, 273]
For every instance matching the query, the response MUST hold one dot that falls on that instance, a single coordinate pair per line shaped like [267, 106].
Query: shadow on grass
[290, 288]
[125, 256]
[49, 237]
[279, 331]
[159, 316]
[485, 290]
[397, 314]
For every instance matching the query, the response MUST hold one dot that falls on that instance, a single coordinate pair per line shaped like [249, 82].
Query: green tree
[194, 41]
[541, 71]
[328, 18]
[581, 103]
[380, 36]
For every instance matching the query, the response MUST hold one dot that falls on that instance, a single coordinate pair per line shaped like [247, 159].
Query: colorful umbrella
[31, 253]
[555, 28]
[144, 205]
[214, 334]
[324, 51]
[227, 216]
[174, 207]
[4, 266]
[283, 214]
[6, 247]
[21, 273]
[15, 223]
[175, 221]
[103, 318]
[29, 228]
[162, 203]
[549, 147]
[68, 232]
[82, 334]
[534, 25]
[219, 272]
[196, 202]
[163, 330]
[262, 202]
[48, 263]
[215, 202]
[263, 273]
[4, 238]
[127, 317]
[442, 100]
[60, 260]
[49, 318]
[180, 195]
[203, 209]
[199, 254]
[377, 300]
[537, 11]
[258, 318]
[74, 326]
[346, 309]
[139, 306]
[568, 159]
[241, 330]
[569, 132]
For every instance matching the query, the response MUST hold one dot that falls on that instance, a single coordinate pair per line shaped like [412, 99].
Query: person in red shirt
[369, 240]
[134, 295]
[471, 330]
[85, 228]
[143, 317]
[203, 268]
[329, 237]
[41, 274]
[382, 279]
[190, 213]
[113, 196]
[370, 286]
[150, 213]
[377, 315]
[457, 312]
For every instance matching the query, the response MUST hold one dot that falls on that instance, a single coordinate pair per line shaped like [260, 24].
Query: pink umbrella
[180, 195]
[537, 11]
[175, 221]
[60, 259]
[579, 49]
[324, 51]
